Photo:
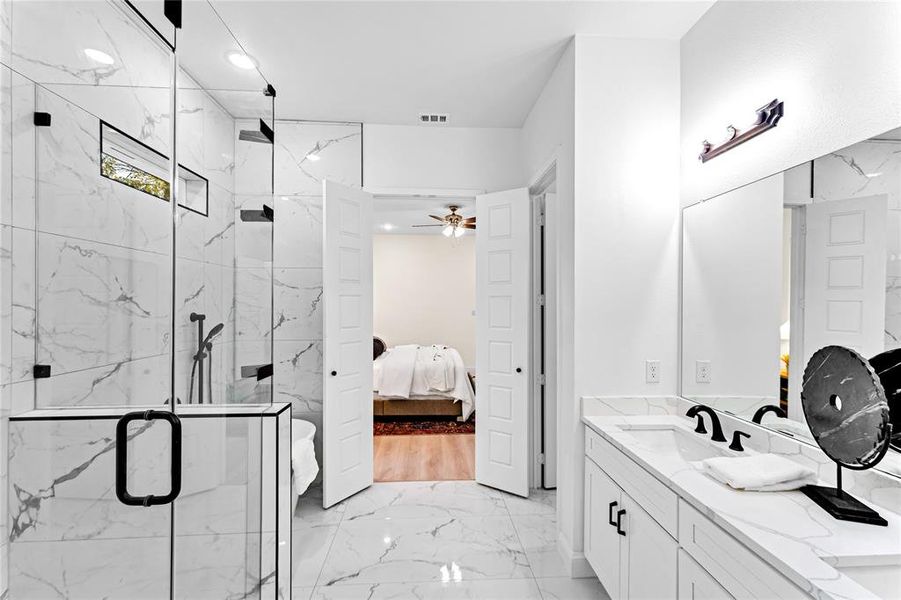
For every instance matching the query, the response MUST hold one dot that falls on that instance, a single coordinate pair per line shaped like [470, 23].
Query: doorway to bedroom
[424, 326]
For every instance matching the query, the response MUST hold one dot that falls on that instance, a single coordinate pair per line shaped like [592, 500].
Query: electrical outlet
[702, 371]
[652, 371]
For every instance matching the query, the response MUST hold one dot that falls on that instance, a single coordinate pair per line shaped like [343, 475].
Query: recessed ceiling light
[241, 60]
[97, 56]
[387, 226]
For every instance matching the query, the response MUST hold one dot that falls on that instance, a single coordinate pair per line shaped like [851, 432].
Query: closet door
[347, 342]
[503, 317]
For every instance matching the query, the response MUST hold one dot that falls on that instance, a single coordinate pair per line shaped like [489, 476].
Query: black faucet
[758, 416]
[714, 421]
[736, 440]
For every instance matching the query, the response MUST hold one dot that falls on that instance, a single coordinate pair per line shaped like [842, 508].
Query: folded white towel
[759, 473]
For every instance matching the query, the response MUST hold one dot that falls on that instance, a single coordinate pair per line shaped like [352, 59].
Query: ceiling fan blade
[470, 220]
[437, 218]
[430, 225]
[468, 226]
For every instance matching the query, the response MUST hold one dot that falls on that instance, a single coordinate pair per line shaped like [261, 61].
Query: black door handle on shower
[619, 522]
[610, 513]
[122, 458]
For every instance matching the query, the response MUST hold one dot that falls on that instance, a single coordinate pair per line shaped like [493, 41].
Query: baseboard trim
[578, 564]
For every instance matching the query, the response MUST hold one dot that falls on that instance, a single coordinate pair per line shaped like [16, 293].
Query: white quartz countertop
[786, 529]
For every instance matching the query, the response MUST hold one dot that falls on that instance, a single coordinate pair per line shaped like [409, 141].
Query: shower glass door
[87, 217]
[142, 455]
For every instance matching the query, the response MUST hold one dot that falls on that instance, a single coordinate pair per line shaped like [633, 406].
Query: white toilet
[304, 466]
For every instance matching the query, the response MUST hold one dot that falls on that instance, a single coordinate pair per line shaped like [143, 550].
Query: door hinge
[542, 379]
[541, 459]
[541, 299]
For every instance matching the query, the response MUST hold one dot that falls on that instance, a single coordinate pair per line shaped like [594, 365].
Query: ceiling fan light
[458, 232]
[448, 231]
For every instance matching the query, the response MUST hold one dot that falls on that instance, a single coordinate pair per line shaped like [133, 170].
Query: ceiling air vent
[433, 118]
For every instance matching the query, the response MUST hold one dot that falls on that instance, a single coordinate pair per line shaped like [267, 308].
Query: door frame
[540, 183]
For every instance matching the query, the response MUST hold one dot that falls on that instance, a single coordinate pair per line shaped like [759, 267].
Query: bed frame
[433, 407]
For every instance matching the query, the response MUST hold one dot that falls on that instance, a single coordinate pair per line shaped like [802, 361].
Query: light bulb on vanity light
[448, 231]
[99, 56]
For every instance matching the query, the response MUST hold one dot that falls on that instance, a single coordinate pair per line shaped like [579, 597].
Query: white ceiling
[484, 63]
[401, 212]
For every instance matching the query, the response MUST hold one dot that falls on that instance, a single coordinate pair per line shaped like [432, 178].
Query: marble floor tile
[538, 536]
[539, 502]
[564, 588]
[422, 499]
[515, 589]
[424, 549]
[309, 510]
[310, 546]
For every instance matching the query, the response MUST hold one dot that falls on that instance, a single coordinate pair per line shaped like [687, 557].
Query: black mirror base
[842, 505]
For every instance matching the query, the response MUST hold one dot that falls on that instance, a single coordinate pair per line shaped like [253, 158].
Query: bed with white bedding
[423, 373]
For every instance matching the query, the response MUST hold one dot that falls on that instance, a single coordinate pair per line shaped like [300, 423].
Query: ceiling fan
[454, 225]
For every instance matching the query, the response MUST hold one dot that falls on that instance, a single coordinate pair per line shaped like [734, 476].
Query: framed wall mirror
[777, 269]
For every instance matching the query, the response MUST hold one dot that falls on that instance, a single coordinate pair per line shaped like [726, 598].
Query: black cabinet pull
[334, 373]
[518, 369]
[619, 522]
[122, 458]
[610, 513]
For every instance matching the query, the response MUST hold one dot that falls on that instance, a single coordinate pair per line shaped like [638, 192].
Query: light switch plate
[702, 371]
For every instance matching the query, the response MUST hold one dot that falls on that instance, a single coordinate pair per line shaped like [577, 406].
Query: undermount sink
[673, 440]
[883, 580]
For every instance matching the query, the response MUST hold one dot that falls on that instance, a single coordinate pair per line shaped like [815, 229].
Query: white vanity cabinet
[645, 542]
[633, 556]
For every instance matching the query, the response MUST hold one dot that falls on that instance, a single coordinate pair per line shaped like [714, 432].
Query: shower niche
[136, 310]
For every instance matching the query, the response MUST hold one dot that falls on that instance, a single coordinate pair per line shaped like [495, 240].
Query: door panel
[347, 342]
[503, 316]
[649, 557]
[602, 543]
[697, 584]
[845, 275]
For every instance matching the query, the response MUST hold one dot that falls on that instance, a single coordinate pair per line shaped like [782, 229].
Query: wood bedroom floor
[424, 457]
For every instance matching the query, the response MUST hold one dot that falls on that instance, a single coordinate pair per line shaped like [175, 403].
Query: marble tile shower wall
[297, 258]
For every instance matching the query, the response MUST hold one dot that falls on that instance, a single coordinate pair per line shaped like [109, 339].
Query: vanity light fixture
[241, 60]
[767, 117]
[99, 56]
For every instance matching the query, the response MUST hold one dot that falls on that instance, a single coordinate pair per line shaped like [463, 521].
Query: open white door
[503, 316]
[347, 342]
[844, 277]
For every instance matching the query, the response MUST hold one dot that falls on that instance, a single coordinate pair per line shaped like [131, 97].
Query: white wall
[732, 280]
[626, 229]
[424, 291]
[549, 134]
[836, 66]
[437, 157]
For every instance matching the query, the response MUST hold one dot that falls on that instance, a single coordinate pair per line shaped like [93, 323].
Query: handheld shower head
[213, 333]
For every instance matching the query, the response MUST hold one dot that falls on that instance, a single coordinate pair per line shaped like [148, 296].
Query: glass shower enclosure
[142, 455]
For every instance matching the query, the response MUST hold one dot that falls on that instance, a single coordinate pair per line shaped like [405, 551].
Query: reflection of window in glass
[132, 163]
